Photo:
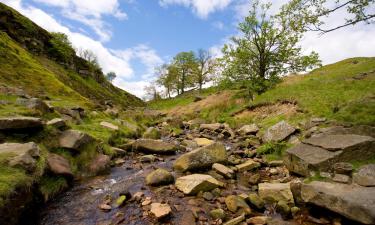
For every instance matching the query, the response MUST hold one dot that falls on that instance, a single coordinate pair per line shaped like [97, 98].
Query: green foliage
[111, 76]
[275, 149]
[267, 49]
[62, 48]
[50, 186]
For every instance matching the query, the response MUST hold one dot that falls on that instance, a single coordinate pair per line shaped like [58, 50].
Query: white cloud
[89, 13]
[117, 61]
[218, 25]
[200, 7]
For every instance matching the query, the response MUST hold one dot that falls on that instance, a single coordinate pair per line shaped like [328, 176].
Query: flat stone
[248, 129]
[17, 123]
[365, 176]
[160, 210]
[211, 127]
[21, 155]
[154, 146]
[109, 126]
[57, 123]
[354, 202]
[192, 184]
[236, 220]
[343, 168]
[59, 165]
[201, 158]
[223, 170]
[248, 165]
[203, 141]
[275, 192]
[258, 220]
[341, 178]
[159, 177]
[278, 132]
[339, 142]
[74, 139]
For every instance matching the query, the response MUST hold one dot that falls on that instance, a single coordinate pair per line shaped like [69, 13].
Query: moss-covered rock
[159, 177]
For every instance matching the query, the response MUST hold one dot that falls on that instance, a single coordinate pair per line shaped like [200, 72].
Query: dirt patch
[269, 110]
[208, 102]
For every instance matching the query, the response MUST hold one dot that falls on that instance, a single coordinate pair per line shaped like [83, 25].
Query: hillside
[26, 63]
[343, 91]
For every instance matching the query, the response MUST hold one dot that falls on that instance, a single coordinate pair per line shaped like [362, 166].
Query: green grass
[51, 186]
[273, 151]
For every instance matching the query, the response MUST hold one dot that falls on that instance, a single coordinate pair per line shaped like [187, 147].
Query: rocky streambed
[207, 175]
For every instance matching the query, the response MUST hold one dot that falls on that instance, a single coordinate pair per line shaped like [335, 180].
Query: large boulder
[201, 158]
[159, 177]
[59, 165]
[99, 164]
[275, 192]
[21, 155]
[19, 123]
[34, 103]
[322, 152]
[192, 184]
[365, 176]
[154, 146]
[74, 139]
[354, 202]
[278, 132]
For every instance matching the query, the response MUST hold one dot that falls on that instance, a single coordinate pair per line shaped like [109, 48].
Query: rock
[236, 220]
[19, 123]
[57, 123]
[248, 129]
[99, 163]
[148, 158]
[312, 155]
[198, 98]
[109, 126]
[248, 165]
[235, 203]
[74, 139]
[147, 201]
[295, 210]
[343, 168]
[189, 144]
[283, 208]
[59, 165]
[295, 187]
[159, 177]
[275, 192]
[278, 132]
[208, 196]
[256, 201]
[201, 158]
[365, 176]
[203, 142]
[105, 207]
[118, 152]
[21, 155]
[34, 103]
[254, 179]
[192, 184]
[353, 202]
[154, 146]
[152, 133]
[275, 163]
[217, 214]
[341, 178]
[223, 170]
[257, 220]
[160, 210]
[212, 127]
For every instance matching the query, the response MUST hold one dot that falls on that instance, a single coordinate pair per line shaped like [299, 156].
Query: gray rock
[18, 123]
[223, 170]
[248, 129]
[339, 142]
[354, 202]
[235, 203]
[365, 176]
[154, 146]
[192, 184]
[201, 158]
[74, 139]
[109, 126]
[341, 178]
[34, 103]
[148, 158]
[99, 164]
[343, 168]
[275, 192]
[212, 127]
[21, 155]
[278, 132]
[159, 177]
[57, 123]
[59, 165]
[248, 165]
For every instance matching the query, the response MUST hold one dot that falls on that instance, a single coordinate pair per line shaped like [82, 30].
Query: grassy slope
[331, 91]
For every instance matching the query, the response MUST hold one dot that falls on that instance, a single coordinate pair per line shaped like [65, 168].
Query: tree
[205, 67]
[185, 64]
[267, 49]
[310, 14]
[111, 76]
[90, 57]
[151, 92]
[166, 78]
[62, 48]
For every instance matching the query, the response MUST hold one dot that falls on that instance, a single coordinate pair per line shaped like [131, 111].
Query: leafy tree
[205, 67]
[311, 13]
[166, 78]
[61, 47]
[151, 92]
[185, 64]
[111, 76]
[267, 49]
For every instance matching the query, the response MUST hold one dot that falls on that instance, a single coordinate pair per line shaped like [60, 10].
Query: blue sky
[131, 37]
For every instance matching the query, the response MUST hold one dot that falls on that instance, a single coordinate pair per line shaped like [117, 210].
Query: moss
[51, 186]
[273, 151]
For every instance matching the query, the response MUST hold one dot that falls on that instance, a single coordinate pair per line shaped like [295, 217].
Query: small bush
[61, 49]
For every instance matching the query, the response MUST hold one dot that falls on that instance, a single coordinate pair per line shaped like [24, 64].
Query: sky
[132, 37]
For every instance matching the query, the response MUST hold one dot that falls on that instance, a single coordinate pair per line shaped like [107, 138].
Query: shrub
[61, 48]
